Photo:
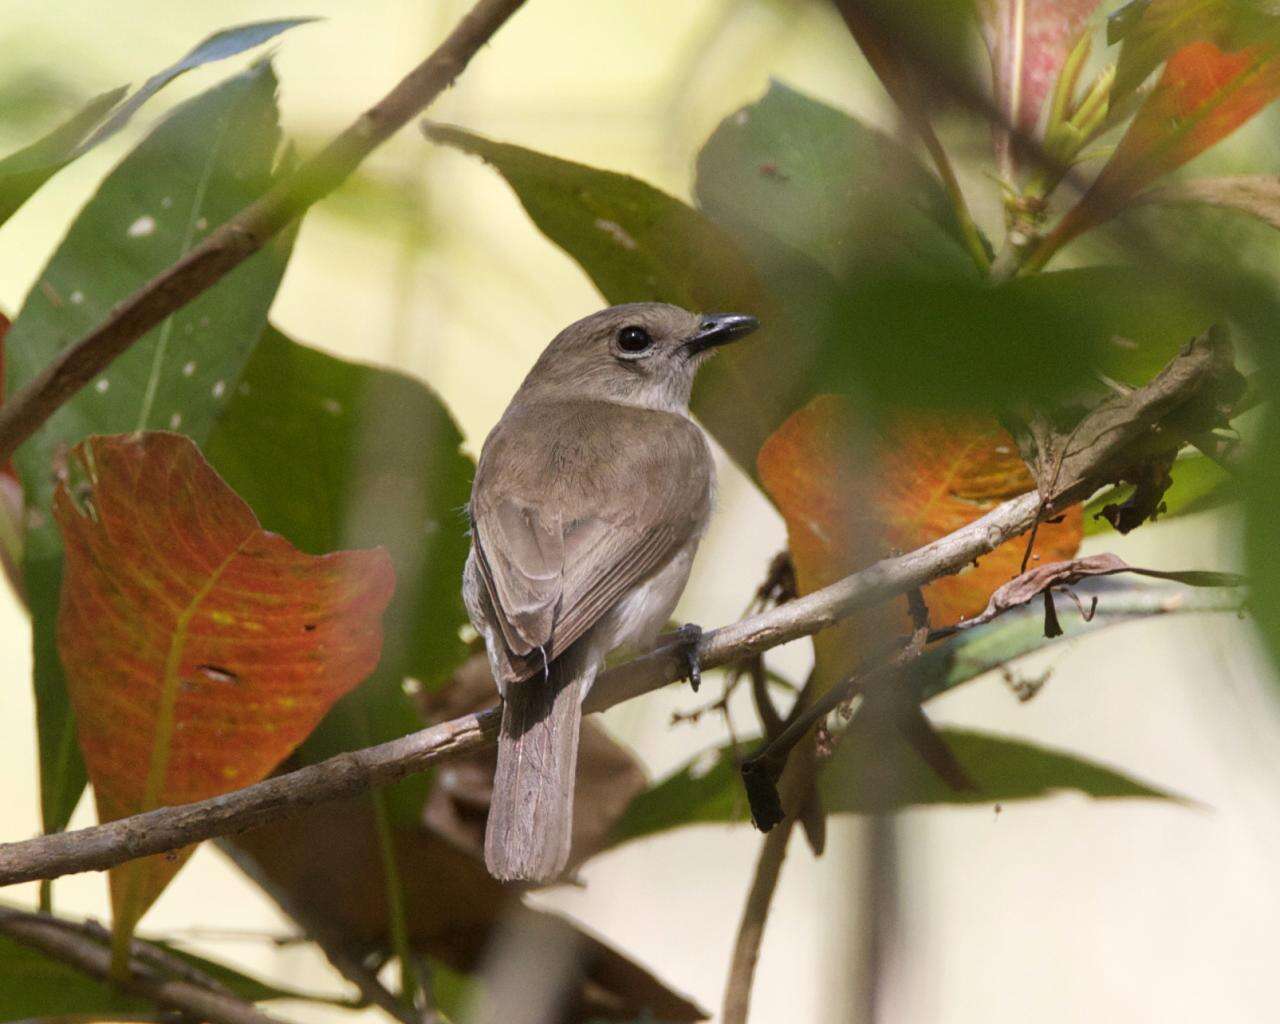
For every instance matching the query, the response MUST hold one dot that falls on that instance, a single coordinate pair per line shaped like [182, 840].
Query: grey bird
[589, 500]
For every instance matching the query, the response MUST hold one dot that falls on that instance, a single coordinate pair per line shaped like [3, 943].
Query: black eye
[634, 339]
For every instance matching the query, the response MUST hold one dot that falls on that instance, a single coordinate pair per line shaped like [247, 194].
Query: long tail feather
[531, 816]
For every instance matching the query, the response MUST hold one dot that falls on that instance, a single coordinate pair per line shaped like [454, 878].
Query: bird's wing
[555, 559]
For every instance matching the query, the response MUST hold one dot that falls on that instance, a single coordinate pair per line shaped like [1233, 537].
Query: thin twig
[797, 787]
[248, 231]
[168, 828]
[746, 947]
[64, 941]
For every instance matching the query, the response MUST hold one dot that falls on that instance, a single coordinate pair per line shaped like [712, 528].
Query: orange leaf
[927, 475]
[199, 649]
[1203, 96]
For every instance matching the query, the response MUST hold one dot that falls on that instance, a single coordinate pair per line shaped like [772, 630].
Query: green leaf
[210, 158]
[22, 173]
[639, 244]
[849, 197]
[872, 772]
[636, 243]
[33, 985]
[915, 341]
[1262, 523]
[709, 788]
[1199, 484]
[225, 43]
[1021, 632]
[332, 454]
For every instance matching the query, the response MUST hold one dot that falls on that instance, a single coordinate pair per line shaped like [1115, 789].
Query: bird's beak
[718, 329]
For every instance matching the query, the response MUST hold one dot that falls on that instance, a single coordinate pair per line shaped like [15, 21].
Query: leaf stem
[964, 219]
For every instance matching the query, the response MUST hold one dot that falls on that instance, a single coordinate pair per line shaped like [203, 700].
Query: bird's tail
[531, 815]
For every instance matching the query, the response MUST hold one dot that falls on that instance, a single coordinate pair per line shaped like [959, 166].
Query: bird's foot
[689, 637]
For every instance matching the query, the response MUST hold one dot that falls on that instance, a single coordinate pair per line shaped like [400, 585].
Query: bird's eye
[634, 340]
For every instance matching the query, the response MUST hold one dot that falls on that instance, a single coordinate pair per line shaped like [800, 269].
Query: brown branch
[248, 231]
[746, 947]
[169, 828]
[77, 946]
[798, 792]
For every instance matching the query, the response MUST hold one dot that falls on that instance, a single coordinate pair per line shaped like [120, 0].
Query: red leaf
[1203, 95]
[929, 474]
[199, 649]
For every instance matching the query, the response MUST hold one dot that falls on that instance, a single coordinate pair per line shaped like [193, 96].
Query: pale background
[1057, 911]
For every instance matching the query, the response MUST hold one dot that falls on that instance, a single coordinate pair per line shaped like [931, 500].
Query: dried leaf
[1151, 480]
[1255, 194]
[1042, 579]
[199, 649]
[1121, 437]
[1198, 484]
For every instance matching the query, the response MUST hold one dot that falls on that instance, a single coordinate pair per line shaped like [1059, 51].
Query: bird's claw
[690, 636]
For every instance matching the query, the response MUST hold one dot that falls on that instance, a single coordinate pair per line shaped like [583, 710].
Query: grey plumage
[589, 500]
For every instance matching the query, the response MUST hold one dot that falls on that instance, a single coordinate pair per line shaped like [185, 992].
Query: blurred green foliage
[36, 986]
[211, 157]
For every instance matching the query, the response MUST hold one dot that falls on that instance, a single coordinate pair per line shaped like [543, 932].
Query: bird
[590, 497]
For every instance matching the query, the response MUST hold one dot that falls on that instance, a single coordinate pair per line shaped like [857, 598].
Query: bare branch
[169, 828]
[76, 945]
[746, 947]
[248, 231]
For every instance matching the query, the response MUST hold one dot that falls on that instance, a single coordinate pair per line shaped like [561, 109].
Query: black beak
[719, 329]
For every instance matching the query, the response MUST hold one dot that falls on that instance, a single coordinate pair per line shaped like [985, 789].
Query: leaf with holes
[921, 476]
[209, 158]
[199, 649]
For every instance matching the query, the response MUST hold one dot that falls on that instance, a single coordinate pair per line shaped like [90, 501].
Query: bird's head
[641, 353]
